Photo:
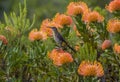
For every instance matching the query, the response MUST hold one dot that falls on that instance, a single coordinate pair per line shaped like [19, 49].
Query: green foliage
[42, 9]
[24, 61]
[111, 62]
[20, 23]
[87, 52]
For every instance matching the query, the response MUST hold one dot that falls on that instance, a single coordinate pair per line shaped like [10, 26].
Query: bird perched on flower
[59, 39]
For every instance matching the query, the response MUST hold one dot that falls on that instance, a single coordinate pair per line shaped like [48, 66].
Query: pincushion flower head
[62, 19]
[106, 44]
[113, 6]
[76, 8]
[60, 57]
[113, 26]
[93, 16]
[48, 23]
[3, 39]
[88, 68]
[37, 35]
[117, 48]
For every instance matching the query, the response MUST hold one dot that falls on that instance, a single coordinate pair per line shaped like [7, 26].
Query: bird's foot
[58, 48]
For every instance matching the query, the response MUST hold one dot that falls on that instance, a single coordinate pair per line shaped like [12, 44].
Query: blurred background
[43, 8]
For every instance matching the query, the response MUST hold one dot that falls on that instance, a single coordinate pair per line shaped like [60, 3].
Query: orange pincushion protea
[37, 35]
[60, 57]
[48, 23]
[88, 68]
[113, 25]
[92, 17]
[106, 44]
[113, 6]
[3, 39]
[62, 19]
[117, 48]
[75, 8]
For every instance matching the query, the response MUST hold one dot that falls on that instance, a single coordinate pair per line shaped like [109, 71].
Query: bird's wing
[63, 40]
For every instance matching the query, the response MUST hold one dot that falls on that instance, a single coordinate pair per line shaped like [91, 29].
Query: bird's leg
[58, 47]
[63, 46]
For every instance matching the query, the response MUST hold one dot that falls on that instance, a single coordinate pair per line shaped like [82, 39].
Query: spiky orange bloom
[3, 39]
[48, 23]
[62, 19]
[113, 25]
[88, 68]
[75, 8]
[92, 17]
[60, 57]
[106, 44]
[117, 48]
[37, 35]
[113, 6]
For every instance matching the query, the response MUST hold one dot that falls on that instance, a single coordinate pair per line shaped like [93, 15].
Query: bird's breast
[56, 38]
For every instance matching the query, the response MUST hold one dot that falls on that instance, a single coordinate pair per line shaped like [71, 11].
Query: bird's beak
[48, 27]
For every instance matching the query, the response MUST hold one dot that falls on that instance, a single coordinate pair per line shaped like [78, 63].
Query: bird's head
[53, 28]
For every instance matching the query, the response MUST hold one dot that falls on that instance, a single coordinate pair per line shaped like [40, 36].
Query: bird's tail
[71, 48]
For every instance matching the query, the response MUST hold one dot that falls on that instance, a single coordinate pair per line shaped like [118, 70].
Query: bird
[59, 39]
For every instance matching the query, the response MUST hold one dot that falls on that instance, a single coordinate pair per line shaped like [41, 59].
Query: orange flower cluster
[62, 19]
[88, 68]
[106, 44]
[92, 17]
[113, 26]
[117, 48]
[37, 35]
[59, 21]
[60, 57]
[3, 39]
[48, 23]
[76, 8]
[113, 6]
